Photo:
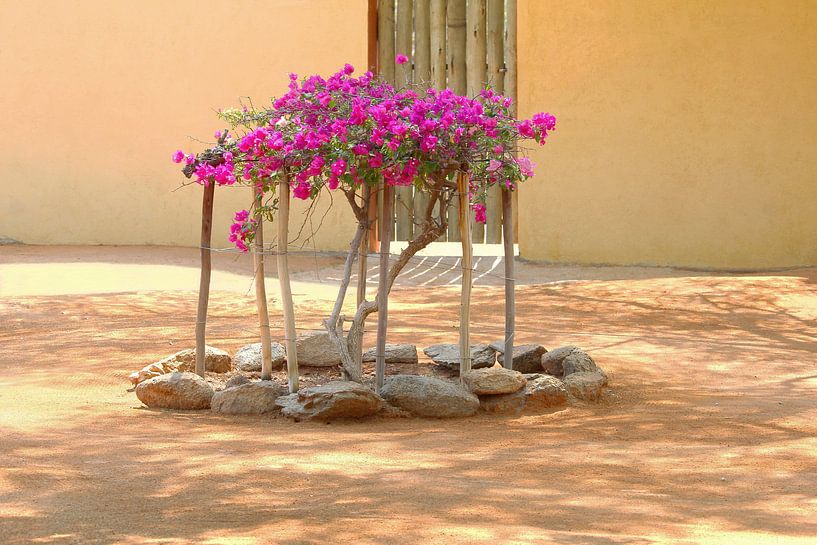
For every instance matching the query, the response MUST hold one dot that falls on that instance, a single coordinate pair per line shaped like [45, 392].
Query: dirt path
[710, 436]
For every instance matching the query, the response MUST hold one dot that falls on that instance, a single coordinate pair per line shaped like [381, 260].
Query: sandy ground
[709, 436]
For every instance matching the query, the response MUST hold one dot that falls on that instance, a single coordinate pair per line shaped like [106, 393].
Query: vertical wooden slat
[510, 282]
[204, 279]
[475, 53]
[290, 333]
[404, 26]
[385, 39]
[511, 82]
[422, 79]
[363, 251]
[467, 266]
[261, 290]
[455, 52]
[382, 288]
[495, 33]
[437, 43]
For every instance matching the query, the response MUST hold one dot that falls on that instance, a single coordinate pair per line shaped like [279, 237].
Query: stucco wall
[96, 95]
[687, 132]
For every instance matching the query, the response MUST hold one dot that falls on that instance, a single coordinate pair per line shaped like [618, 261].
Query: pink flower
[479, 213]
[178, 156]
[401, 59]
[493, 165]
[339, 167]
[526, 166]
[302, 191]
[428, 143]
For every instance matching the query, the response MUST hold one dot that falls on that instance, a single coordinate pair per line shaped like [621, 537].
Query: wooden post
[382, 287]
[495, 30]
[422, 79]
[455, 22]
[261, 291]
[511, 83]
[437, 43]
[475, 53]
[204, 279]
[467, 266]
[385, 39]
[290, 334]
[404, 27]
[510, 296]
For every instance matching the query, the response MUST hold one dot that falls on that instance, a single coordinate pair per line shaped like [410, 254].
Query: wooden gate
[459, 44]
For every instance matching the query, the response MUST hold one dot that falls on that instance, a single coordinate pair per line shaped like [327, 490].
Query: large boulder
[448, 355]
[430, 397]
[183, 391]
[248, 358]
[395, 353]
[317, 350]
[215, 361]
[567, 360]
[494, 380]
[545, 391]
[337, 399]
[527, 358]
[512, 403]
[237, 380]
[586, 385]
[248, 398]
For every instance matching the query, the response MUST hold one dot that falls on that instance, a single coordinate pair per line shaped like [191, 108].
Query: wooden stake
[290, 334]
[467, 266]
[204, 279]
[385, 39]
[363, 265]
[510, 296]
[422, 79]
[475, 53]
[404, 26]
[495, 31]
[382, 286]
[261, 291]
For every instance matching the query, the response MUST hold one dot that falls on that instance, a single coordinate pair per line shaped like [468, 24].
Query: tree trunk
[204, 280]
[510, 297]
[467, 266]
[383, 288]
[290, 335]
[261, 291]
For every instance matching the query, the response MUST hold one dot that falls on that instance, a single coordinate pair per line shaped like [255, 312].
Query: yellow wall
[687, 131]
[96, 95]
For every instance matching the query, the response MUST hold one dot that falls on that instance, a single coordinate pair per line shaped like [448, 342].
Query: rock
[553, 362]
[545, 391]
[248, 358]
[336, 399]
[578, 361]
[249, 398]
[512, 403]
[494, 380]
[586, 385]
[185, 391]
[395, 353]
[236, 380]
[215, 361]
[429, 396]
[142, 375]
[317, 350]
[527, 358]
[448, 355]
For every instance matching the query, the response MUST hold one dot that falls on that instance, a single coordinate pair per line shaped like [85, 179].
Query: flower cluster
[242, 230]
[345, 131]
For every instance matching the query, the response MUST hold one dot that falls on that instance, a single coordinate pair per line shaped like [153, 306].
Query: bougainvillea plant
[344, 133]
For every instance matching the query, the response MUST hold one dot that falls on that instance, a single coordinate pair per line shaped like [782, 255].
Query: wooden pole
[404, 26]
[475, 53]
[290, 334]
[467, 266]
[261, 291]
[385, 39]
[495, 30]
[422, 79]
[382, 287]
[510, 296]
[204, 279]
[437, 43]
[511, 83]
[455, 51]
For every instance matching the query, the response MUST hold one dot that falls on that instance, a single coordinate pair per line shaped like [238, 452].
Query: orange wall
[687, 131]
[96, 95]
